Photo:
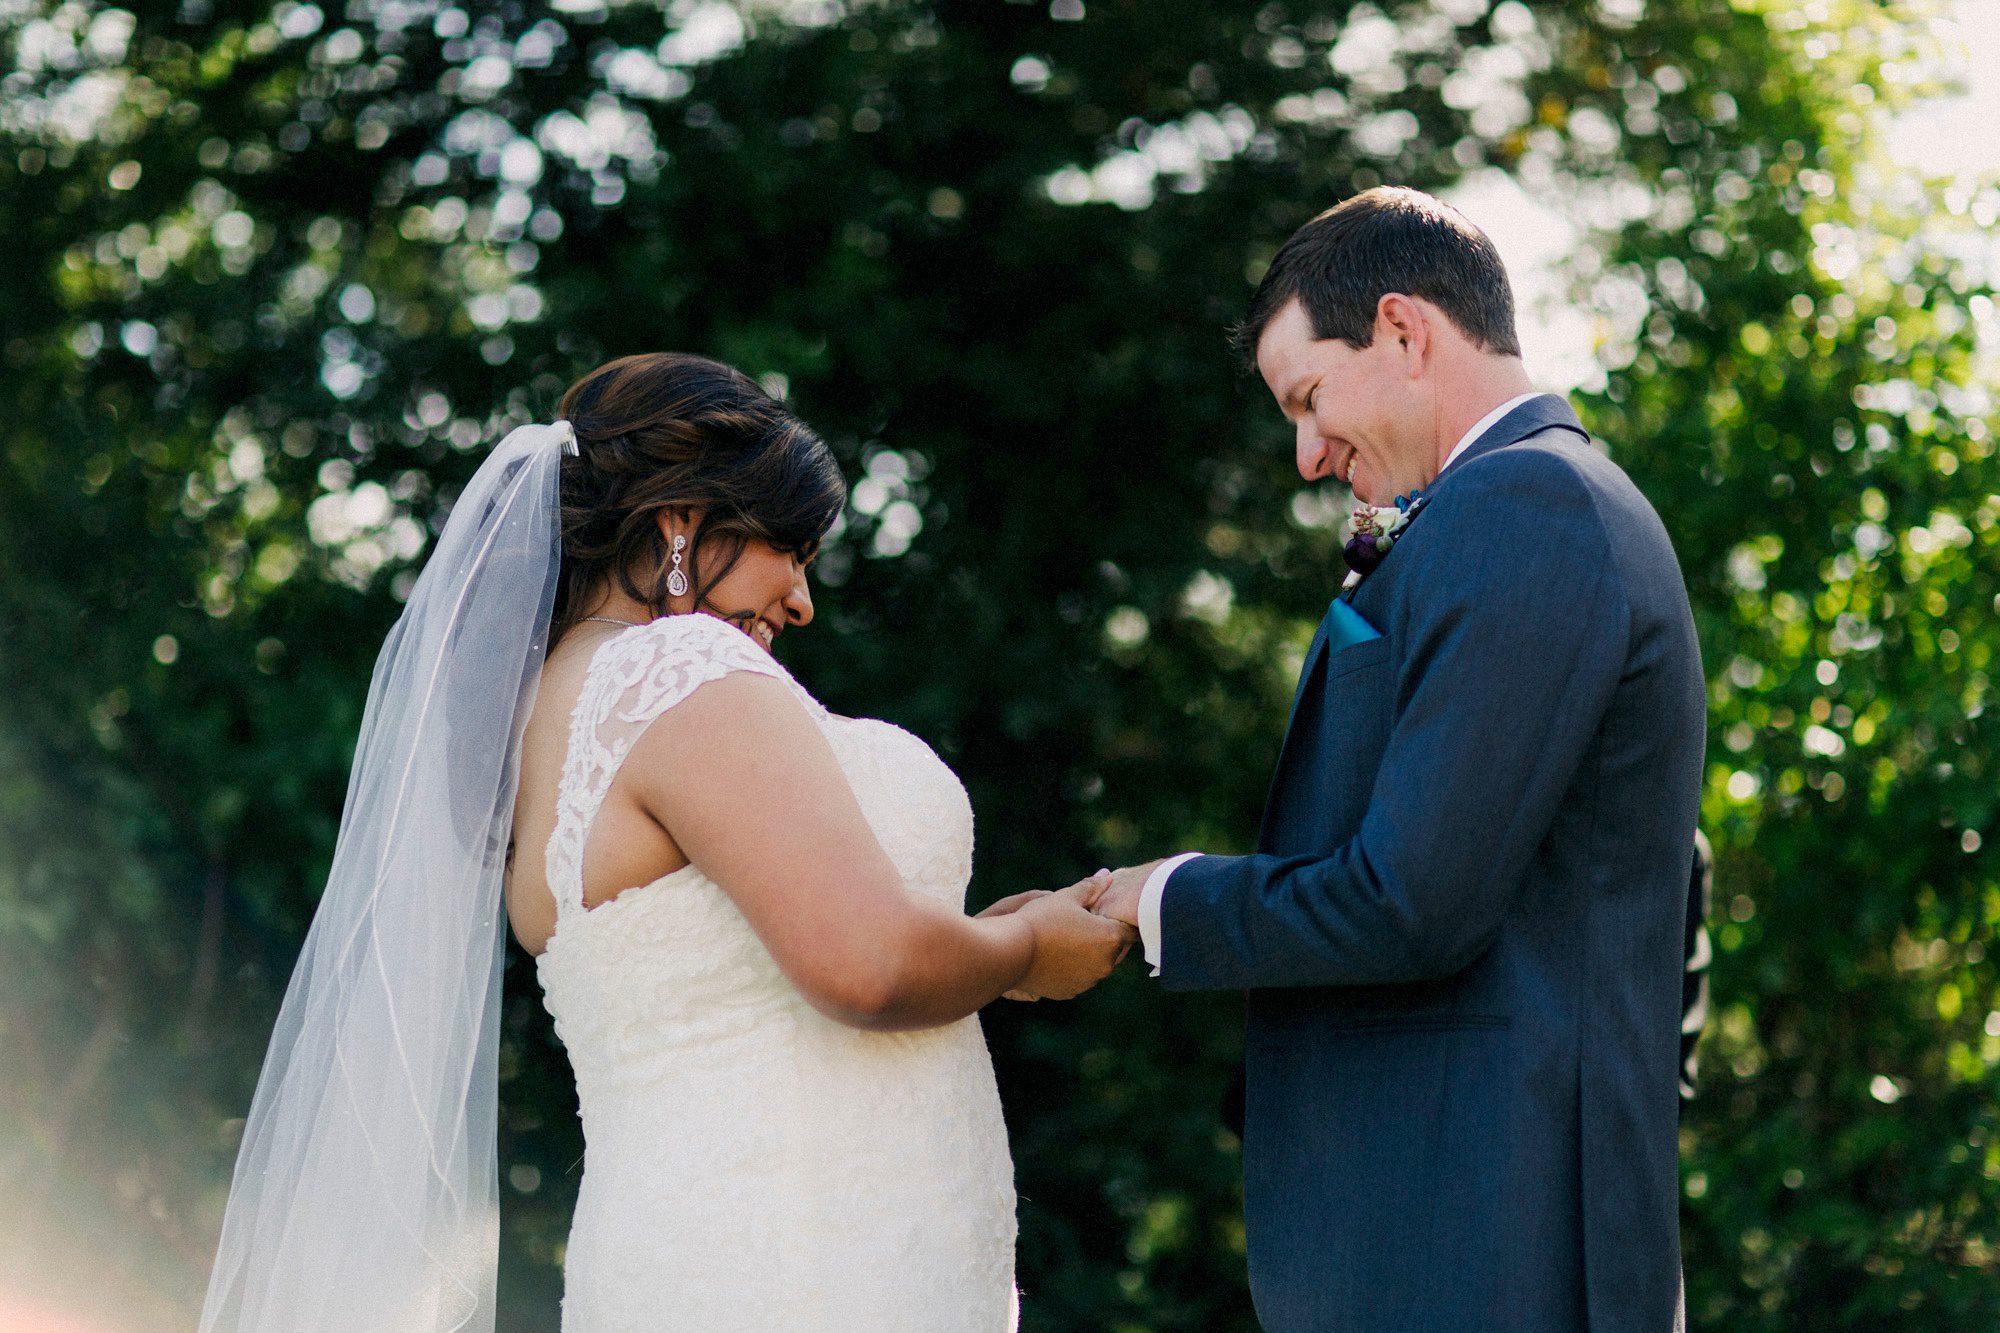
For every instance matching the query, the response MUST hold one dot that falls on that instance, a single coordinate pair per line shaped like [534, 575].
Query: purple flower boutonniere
[1372, 530]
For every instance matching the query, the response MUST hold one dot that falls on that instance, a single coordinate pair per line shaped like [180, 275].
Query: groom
[1461, 932]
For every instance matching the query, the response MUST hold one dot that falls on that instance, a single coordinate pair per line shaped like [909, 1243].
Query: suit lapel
[1315, 654]
[1530, 418]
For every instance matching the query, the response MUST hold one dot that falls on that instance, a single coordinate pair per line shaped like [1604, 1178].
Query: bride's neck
[613, 603]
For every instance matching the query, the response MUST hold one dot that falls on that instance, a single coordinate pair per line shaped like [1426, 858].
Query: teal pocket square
[1345, 627]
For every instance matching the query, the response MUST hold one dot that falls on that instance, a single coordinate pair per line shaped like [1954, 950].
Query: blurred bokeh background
[275, 275]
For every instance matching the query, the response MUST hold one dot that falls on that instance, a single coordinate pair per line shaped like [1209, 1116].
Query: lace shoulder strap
[634, 676]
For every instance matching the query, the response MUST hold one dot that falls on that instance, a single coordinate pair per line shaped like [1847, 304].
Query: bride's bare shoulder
[560, 685]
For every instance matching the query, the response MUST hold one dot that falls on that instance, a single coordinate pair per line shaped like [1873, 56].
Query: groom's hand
[1119, 898]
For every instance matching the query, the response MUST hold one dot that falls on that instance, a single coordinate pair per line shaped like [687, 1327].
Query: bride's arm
[741, 778]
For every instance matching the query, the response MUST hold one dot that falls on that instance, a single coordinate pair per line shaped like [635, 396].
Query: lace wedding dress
[750, 1163]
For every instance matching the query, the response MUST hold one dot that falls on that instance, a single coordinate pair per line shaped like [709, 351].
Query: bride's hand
[1012, 903]
[1074, 948]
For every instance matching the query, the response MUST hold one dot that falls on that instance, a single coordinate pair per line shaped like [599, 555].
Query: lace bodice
[750, 1163]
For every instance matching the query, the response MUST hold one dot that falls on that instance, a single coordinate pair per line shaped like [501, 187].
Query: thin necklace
[612, 620]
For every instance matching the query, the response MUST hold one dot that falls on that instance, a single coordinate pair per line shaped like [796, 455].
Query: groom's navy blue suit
[1461, 933]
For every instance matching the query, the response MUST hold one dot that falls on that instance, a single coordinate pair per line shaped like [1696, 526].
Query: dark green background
[854, 199]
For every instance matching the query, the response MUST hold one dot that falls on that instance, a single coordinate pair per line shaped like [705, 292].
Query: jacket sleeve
[1517, 626]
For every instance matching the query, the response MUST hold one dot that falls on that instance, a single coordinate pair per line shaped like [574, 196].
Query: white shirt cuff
[1149, 906]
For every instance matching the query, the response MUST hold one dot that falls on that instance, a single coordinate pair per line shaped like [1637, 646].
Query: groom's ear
[1402, 325]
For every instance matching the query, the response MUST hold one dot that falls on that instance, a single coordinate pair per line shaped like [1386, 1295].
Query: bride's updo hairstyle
[667, 431]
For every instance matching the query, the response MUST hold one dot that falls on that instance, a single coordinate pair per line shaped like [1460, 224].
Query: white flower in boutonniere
[1372, 530]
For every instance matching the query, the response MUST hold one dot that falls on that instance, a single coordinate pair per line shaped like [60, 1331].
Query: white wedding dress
[751, 1164]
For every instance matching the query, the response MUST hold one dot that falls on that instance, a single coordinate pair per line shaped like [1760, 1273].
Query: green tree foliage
[281, 272]
[1804, 403]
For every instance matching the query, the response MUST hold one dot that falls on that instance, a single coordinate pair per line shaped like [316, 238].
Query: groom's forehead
[1290, 351]
[1282, 346]
[1291, 326]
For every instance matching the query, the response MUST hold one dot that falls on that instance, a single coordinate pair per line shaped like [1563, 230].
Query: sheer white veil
[366, 1197]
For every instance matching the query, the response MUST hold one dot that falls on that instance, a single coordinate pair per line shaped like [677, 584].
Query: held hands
[1074, 948]
[1119, 898]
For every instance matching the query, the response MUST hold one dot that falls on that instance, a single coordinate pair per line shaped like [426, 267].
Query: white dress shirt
[1156, 883]
[1484, 424]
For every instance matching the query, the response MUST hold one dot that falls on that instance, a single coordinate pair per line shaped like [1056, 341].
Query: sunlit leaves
[1803, 395]
[281, 274]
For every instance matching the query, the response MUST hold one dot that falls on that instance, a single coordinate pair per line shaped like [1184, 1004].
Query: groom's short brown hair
[1389, 239]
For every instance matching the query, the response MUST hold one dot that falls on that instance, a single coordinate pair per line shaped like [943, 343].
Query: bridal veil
[365, 1197]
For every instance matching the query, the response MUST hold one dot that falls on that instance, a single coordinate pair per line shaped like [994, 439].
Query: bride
[747, 914]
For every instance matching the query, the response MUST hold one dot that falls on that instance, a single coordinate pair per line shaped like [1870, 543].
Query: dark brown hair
[1389, 239]
[669, 431]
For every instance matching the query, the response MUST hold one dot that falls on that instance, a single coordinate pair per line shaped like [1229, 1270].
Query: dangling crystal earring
[677, 581]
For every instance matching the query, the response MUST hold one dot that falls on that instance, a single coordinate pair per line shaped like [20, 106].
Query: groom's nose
[1314, 453]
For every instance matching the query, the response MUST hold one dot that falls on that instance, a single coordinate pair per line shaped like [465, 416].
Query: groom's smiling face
[1352, 407]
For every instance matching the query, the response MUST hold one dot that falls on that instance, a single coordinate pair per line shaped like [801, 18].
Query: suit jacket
[1462, 931]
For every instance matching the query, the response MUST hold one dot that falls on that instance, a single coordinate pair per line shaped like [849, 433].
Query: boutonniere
[1372, 530]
